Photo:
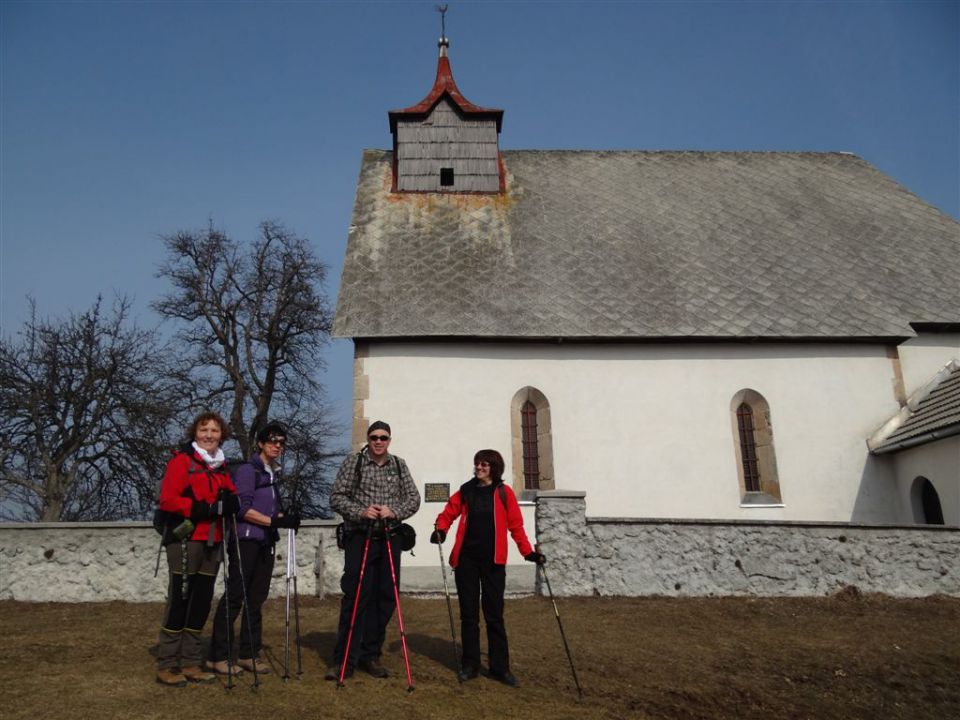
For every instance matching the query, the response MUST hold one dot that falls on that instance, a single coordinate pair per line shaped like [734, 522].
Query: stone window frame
[544, 441]
[766, 457]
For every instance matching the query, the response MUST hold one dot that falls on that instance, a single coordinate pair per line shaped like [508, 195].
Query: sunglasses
[280, 442]
[482, 464]
[378, 438]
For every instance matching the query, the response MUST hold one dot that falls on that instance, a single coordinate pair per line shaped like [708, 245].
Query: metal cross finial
[442, 9]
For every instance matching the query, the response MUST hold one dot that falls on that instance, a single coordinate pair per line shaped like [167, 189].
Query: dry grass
[842, 657]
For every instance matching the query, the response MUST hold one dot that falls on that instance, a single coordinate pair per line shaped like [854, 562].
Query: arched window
[532, 442]
[531, 450]
[926, 502]
[753, 442]
[748, 448]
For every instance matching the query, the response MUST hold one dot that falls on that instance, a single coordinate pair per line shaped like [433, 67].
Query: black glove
[200, 511]
[231, 503]
[437, 537]
[535, 557]
[289, 520]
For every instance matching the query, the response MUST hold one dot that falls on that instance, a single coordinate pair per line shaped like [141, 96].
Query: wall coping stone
[737, 522]
[560, 494]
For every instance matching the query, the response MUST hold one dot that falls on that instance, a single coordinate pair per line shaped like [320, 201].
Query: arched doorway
[926, 502]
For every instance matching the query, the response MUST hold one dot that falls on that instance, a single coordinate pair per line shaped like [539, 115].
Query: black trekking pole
[292, 539]
[286, 618]
[563, 635]
[356, 602]
[396, 596]
[446, 591]
[226, 596]
[246, 605]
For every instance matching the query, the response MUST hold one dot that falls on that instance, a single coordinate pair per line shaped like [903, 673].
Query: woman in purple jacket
[257, 521]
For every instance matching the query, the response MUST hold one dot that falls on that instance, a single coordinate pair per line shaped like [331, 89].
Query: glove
[437, 537]
[289, 520]
[200, 511]
[535, 557]
[231, 503]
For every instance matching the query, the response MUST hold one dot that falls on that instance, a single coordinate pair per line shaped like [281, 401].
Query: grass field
[848, 656]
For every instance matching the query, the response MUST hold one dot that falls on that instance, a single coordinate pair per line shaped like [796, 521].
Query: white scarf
[212, 461]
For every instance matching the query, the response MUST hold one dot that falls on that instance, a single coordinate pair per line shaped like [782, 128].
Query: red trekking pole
[396, 596]
[356, 601]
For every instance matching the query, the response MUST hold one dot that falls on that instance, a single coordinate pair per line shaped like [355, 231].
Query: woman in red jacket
[487, 510]
[196, 493]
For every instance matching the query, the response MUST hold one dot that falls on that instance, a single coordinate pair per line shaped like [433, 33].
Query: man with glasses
[374, 492]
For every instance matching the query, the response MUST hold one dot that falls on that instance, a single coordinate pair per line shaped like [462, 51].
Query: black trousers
[256, 563]
[481, 583]
[376, 604]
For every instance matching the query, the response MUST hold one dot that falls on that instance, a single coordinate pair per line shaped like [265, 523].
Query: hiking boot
[196, 674]
[171, 677]
[220, 667]
[373, 667]
[248, 664]
[333, 673]
[506, 678]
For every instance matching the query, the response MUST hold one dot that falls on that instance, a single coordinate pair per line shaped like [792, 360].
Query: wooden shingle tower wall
[445, 143]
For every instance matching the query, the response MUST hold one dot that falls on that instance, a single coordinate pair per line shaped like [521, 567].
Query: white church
[705, 335]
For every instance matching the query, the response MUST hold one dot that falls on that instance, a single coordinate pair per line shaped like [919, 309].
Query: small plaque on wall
[436, 492]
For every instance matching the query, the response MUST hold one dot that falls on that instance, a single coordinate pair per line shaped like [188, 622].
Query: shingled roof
[641, 245]
[932, 415]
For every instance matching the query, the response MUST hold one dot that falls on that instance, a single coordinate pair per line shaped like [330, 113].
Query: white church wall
[646, 430]
[924, 356]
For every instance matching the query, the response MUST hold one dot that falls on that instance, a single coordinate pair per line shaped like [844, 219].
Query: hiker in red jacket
[196, 493]
[487, 510]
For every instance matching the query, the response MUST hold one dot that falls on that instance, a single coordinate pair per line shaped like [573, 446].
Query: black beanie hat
[378, 425]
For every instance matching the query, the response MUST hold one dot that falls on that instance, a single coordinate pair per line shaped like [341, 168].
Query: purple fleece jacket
[255, 490]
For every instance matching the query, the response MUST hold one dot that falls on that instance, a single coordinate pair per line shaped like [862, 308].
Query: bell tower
[445, 143]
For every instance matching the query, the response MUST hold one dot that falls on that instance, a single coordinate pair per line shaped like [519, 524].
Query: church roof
[932, 415]
[643, 245]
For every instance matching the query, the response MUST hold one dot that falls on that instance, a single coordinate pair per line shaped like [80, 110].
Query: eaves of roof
[932, 413]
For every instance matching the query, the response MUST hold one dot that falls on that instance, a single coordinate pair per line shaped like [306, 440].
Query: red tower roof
[444, 85]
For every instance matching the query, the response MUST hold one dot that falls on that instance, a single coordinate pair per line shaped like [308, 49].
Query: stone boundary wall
[87, 562]
[92, 562]
[629, 556]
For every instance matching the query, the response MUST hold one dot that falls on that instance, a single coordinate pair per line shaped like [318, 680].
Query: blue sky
[123, 121]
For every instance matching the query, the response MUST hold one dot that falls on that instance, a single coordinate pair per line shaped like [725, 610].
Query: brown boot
[262, 667]
[171, 677]
[196, 674]
[220, 668]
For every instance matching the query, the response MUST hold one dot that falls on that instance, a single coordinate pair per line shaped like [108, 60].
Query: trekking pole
[563, 635]
[292, 539]
[446, 591]
[396, 596]
[226, 601]
[286, 621]
[246, 605]
[356, 602]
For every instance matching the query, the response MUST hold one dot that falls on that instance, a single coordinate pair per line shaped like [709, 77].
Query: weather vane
[442, 9]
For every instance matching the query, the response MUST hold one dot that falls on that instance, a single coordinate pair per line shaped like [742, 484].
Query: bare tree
[254, 320]
[86, 404]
